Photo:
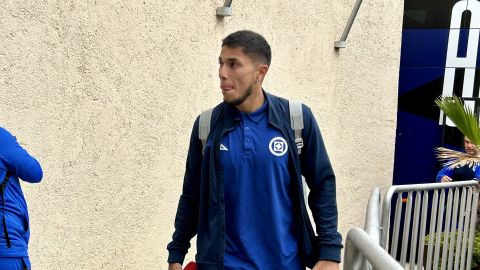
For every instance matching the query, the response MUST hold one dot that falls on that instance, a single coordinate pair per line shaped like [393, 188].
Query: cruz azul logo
[278, 146]
[468, 63]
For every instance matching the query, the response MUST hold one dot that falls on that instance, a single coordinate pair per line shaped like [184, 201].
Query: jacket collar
[274, 110]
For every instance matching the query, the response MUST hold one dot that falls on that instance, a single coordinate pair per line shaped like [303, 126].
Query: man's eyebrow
[231, 59]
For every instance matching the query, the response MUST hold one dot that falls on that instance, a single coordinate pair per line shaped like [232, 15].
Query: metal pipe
[473, 221]
[451, 248]
[431, 186]
[448, 221]
[466, 229]
[385, 221]
[441, 207]
[372, 225]
[423, 228]
[406, 230]
[342, 43]
[416, 217]
[226, 10]
[358, 242]
[396, 225]
[458, 252]
[431, 233]
[372, 221]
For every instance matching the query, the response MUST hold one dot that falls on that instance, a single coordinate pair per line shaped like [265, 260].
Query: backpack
[296, 122]
[3, 186]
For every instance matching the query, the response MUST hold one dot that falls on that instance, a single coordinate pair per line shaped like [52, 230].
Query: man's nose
[222, 73]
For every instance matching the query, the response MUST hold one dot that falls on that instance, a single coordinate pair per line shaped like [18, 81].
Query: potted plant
[466, 121]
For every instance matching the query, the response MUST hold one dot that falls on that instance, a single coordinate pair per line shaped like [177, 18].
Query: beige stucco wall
[104, 93]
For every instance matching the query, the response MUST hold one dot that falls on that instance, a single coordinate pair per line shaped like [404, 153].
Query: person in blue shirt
[242, 193]
[15, 163]
[462, 173]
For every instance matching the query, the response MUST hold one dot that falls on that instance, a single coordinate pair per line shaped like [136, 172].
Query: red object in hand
[191, 266]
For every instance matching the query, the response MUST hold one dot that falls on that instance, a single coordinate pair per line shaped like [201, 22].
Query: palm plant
[466, 121]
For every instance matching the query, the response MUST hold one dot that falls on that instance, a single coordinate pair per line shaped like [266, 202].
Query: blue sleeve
[186, 219]
[17, 160]
[477, 172]
[444, 171]
[320, 178]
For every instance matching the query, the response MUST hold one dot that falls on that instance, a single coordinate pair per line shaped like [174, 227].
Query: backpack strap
[296, 122]
[204, 127]
[3, 186]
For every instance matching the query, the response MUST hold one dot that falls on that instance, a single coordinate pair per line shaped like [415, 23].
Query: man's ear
[262, 71]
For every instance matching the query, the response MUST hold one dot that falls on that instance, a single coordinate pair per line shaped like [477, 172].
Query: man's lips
[226, 87]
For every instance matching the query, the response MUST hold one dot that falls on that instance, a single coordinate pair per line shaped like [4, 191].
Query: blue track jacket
[201, 209]
[447, 171]
[15, 160]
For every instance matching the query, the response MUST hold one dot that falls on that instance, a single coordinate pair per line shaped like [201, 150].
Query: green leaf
[462, 116]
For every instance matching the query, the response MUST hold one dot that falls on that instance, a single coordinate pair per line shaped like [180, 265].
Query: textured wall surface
[104, 94]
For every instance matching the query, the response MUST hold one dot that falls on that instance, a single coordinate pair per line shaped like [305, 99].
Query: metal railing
[362, 248]
[451, 212]
[359, 244]
[453, 216]
[372, 220]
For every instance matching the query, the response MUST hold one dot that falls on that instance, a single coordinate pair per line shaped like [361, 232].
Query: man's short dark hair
[251, 43]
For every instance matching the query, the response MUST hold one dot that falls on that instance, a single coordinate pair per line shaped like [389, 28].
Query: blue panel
[415, 160]
[424, 48]
[428, 47]
[412, 78]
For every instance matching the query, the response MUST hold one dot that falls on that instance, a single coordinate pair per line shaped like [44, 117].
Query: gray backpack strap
[296, 121]
[204, 127]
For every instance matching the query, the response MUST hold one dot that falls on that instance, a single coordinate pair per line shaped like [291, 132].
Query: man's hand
[446, 179]
[174, 266]
[326, 265]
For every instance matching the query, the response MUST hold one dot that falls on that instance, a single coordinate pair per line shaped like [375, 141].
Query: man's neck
[253, 102]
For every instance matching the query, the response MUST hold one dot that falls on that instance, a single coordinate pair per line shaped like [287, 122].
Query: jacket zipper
[221, 189]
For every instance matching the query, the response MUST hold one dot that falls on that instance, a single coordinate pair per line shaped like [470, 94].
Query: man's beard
[241, 99]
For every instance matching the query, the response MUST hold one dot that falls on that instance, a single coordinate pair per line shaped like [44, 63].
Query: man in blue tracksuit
[242, 193]
[15, 164]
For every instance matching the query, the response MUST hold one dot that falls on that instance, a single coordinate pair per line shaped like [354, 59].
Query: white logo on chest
[278, 146]
[223, 148]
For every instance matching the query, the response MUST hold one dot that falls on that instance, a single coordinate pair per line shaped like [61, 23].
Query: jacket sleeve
[186, 220]
[320, 178]
[17, 160]
[477, 173]
[445, 171]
